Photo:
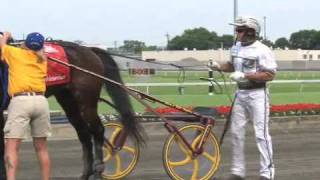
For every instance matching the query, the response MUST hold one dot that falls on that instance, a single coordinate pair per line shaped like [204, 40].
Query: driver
[252, 65]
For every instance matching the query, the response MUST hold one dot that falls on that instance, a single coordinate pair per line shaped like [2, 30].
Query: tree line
[203, 39]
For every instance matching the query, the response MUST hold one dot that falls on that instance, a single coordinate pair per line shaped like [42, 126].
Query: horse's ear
[49, 39]
[10, 40]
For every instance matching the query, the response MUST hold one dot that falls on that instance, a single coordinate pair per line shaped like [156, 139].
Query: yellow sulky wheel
[177, 158]
[121, 163]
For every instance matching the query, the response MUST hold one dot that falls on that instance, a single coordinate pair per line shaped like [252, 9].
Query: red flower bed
[295, 109]
[275, 110]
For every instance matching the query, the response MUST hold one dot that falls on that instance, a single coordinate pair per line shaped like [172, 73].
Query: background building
[286, 59]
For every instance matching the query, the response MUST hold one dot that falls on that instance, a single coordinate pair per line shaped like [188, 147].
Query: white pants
[251, 105]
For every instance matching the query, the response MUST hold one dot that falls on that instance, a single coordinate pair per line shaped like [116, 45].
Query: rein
[181, 76]
[139, 96]
[153, 62]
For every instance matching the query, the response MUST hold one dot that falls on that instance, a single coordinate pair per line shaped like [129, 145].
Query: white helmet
[248, 21]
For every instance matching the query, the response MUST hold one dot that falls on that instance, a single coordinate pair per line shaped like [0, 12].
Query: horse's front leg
[2, 163]
[81, 127]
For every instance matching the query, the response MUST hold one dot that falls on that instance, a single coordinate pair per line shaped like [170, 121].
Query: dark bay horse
[79, 100]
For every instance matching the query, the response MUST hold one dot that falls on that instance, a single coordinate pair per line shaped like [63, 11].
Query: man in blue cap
[28, 106]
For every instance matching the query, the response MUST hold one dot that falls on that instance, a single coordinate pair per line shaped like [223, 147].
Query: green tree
[151, 48]
[267, 42]
[304, 39]
[227, 41]
[282, 43]
[199, 38]
[133, 46]
[316, 41]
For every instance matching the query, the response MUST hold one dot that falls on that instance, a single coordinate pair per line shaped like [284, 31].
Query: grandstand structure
[291, 60]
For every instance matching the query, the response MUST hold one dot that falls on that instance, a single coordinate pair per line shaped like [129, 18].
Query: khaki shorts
[26, 112]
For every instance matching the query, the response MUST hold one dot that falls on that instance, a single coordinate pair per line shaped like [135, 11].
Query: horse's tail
[120, 97]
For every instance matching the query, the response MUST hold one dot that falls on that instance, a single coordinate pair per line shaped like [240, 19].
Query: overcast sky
[107, 21]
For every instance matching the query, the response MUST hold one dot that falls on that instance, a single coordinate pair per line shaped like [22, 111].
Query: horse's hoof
[97, 176]
[99, 168]
[84, 177]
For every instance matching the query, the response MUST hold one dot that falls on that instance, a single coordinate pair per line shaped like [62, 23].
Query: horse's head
[4, 75]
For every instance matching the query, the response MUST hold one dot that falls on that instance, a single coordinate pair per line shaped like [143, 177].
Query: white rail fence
[148, 85]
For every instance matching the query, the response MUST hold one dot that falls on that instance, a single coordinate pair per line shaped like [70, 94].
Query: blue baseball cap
[34, 41]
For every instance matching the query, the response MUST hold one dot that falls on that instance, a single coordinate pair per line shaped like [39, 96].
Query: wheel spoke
[185, 151]
[181, 163]
[114, 134]
[129, 149]
[107, 155]
[118, 164]
[195, 142]
[183, 146]
[195, 172]
[209, 157]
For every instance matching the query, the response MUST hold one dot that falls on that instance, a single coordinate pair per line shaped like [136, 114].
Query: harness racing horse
[79, 99]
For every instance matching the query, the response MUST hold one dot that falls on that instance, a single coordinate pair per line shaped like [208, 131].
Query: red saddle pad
[57, 73]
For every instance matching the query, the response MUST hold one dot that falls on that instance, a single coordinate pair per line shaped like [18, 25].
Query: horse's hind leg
[2, 166]
[73, 113]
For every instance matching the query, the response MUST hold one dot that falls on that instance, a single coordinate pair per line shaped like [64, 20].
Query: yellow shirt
[25, 73]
